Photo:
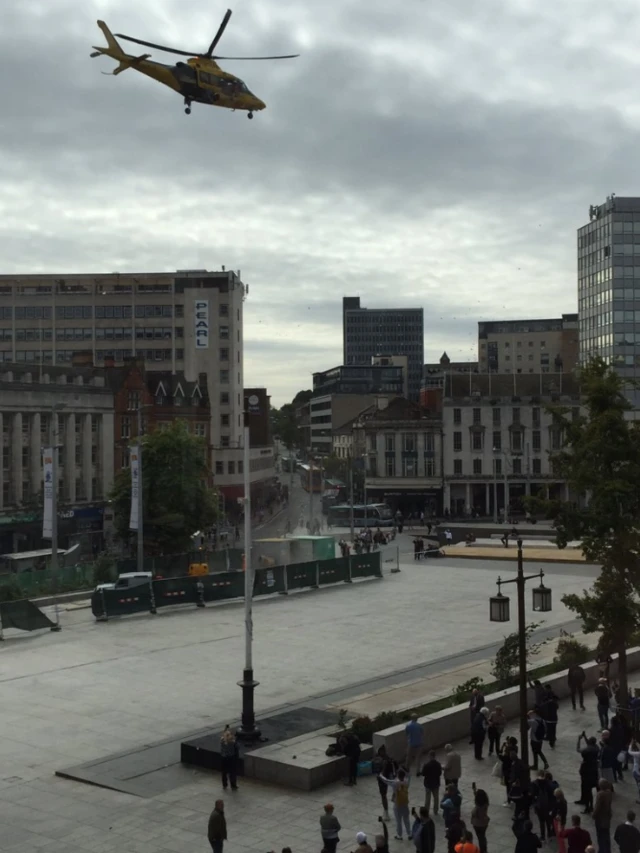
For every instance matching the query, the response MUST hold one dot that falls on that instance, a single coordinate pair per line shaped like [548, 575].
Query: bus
[371, 515]
[305, 478]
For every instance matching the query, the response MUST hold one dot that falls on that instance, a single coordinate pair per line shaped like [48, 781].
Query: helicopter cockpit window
[208, 79]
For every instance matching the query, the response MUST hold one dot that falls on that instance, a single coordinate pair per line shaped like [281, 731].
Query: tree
[176, 498]
[507, 661]
[600, 461]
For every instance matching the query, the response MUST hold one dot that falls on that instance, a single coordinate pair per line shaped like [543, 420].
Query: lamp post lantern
[499, 612]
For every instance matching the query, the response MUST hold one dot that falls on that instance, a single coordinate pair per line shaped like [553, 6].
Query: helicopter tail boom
[114, 49]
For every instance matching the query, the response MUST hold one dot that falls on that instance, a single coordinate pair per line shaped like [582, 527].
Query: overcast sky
[435, 153]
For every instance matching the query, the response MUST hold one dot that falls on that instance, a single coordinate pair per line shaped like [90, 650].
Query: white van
[127, 580]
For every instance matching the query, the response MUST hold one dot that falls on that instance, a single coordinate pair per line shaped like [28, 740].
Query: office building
[498, 434]
[404, 457]
[330, 412]
[82, 425]
[186, 323]
[384, 378]
[371, 332]
[528, 346]
[436, 372]
[609, 287]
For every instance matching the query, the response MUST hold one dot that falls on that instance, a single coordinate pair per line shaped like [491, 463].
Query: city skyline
[467, 206]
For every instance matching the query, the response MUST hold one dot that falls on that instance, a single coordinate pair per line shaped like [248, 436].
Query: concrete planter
[452, 724]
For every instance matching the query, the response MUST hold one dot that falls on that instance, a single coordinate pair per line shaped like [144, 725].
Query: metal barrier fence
[177, 565]
[199, 591]
[66, 579]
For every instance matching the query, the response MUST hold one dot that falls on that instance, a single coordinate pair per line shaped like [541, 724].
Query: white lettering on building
[202, 323]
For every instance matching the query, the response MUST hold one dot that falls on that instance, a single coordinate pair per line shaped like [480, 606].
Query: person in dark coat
[619, 741]
[575, 679]
[217, 828]
[351, 748]
[229, 755]
[528, 841]
[627, 835]
[478, 731]
[589, 774]
[424, 837]
[476, 702]
[549, 713]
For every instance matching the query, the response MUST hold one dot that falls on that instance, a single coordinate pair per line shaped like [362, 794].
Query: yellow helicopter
[199, 80]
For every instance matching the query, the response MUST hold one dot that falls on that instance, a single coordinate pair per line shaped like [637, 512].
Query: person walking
[476, 703]
[541, 797]
[536, 737]
[229, 755]
[559, 809]
[452, 767]
[497, 723]
[602, 816]
[577, 838]
[432, 774]
[400, 798]
[478, 732]
[217, 828]
[608, 759]
[575, 679]
[634, 754]
[451, 803]
[329, 829]
[603, 697]
[480, 817]
[351, 749]
[627, 835]
[549, 714]
[415, 741]
[466, 845]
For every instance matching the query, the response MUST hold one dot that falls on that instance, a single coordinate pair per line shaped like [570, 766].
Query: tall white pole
[351, 518]
[54, 513]
[140, 561]
[248, 730]
[495, 489]
[310, 495]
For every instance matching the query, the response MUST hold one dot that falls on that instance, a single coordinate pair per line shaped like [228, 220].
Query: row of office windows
[497, 467]
[69, 333]
[101, 312]
[516, 442]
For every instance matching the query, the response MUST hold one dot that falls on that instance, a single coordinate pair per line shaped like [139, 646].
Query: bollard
[397, 568]
[285, 591]
[317, 583]
[152, 609]
[104, 617]
[200, 594]
[349, 578]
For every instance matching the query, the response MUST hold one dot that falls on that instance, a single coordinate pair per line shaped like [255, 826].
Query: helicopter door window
[207, 79]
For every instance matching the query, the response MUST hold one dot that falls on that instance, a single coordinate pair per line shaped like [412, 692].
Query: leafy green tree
[506, 665]
[177, 500]
[600, 461]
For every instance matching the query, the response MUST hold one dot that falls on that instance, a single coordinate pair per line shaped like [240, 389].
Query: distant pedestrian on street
[415, 741]
[229, 756]
[452, 767]
[363, 844]
[603, 697]
[466, 845]
[432, 774]
[217, 829]
[575, 679]
[384, 765]
[578, 839]
[424, 832]
[480, 817]
[350, 746]
[497, 724]
[479, 731]
[602, 816]
[627, 835]
[476, 703]
[400, 788]
[549, 713]
[329, 829]
[528, 841]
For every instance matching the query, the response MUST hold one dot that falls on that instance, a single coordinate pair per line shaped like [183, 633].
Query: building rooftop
[509, 385]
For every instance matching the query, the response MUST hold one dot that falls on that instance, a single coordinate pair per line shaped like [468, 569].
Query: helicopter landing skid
[187, 106]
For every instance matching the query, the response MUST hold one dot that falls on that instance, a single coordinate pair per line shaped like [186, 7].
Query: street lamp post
[248, 732]
[499, 612]
[54, 434]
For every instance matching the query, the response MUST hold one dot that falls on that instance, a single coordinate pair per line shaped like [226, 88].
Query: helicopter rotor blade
[157, 46]
[218, 35]
[287, 56]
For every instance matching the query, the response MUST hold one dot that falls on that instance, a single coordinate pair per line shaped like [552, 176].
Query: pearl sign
[202, 323]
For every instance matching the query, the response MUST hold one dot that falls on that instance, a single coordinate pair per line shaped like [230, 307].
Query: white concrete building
[498, 434]
[82, 425]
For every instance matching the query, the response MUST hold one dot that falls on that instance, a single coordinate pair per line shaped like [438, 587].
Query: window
[240, 467]
[535, 441]
[390, 443]
[231, 467]
[223, 331]
[497, 440]
[457, 466]
[457, 441]
[219, 467]
[133, 400]
[536, 465]
[457, 416]
[517, 465]
[430, 467]
[496, 417]
[515, 416]
[223, 309]
[516, 441]
[125, 428]
[390, 466]
[224, 377]
[224, 441]
[178, 400]
[200, 430]
[409, 466]
[224, 420]
[224, 398]
[477, 466]
[224, 354]
[409, 442]
[477, 416]
[497, 466]
[535, 416]
[25, 457]
[556, 439]
[476, 441]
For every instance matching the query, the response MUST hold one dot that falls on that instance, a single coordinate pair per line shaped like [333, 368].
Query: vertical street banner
[134, 457]
[47, 513]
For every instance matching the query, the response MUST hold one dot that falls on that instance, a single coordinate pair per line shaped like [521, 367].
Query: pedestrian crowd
[540, 811]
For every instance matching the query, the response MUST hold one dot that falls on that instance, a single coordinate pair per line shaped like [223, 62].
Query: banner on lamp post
[134, 458]
[47, 513]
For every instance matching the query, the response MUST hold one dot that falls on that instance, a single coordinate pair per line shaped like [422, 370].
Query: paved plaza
[96, 689]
